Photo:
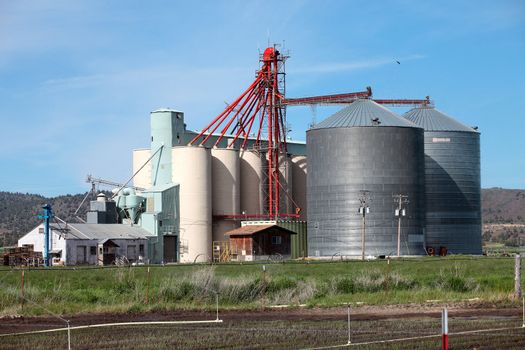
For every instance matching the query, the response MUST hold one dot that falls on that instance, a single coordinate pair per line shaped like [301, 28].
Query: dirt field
[277, 329]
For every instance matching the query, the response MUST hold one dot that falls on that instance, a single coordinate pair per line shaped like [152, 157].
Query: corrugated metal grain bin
[300, 240]
[364, 147]
[452, 186]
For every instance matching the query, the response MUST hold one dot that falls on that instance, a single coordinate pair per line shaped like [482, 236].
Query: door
[170, 249]
[132, 253]
[81, 254]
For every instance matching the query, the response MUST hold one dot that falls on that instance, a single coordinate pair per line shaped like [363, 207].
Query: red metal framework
[405, 102]
[329, 99]
[262, 108]
[351, 97]
[261, 104]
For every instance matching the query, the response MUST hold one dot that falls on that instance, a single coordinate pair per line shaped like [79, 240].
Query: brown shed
[252, 242]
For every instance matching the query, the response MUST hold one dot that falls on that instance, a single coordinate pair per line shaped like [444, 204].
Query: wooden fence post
[22, 292]
[147, 287]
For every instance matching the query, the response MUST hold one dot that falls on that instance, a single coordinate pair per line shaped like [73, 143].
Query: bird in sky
[398, 62]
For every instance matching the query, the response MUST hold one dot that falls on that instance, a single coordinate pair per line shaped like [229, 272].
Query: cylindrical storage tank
[452, 182]
[364, 147]
[299, 184]
[286, 199]
[226, 198]
[192, 171]
[143, 177]
[253, 166]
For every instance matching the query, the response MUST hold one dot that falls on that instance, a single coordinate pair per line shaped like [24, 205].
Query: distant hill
[19, 212]
[503, 216]
[503, 206]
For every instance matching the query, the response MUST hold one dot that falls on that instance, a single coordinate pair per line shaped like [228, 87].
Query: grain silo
[286, 180]
[162, 137]
[253, 166]
[364, 152]
[192, 171]
[142, 173]
[225, 190]
[299, 183]
[452, 182]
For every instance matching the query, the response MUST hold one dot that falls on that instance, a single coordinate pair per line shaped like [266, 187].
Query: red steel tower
[262, 108]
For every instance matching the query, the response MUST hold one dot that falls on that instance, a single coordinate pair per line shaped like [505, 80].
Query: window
[40, 230]
[93, 250]
[276, 239]
[141, 249]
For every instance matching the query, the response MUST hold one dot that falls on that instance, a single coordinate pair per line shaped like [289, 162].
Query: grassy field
[279, 334]
[247, 286]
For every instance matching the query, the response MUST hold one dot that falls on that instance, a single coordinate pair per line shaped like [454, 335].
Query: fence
[297, 329]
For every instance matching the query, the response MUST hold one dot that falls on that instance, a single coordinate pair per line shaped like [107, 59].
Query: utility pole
[364, 200]
[402, 201]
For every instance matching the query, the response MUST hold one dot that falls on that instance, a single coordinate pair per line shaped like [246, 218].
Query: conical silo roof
[364, 112]
[431, 119]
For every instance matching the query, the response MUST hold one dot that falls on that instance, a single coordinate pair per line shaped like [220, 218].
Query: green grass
[247, 286]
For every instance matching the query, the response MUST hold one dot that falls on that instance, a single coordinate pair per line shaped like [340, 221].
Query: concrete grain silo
[299, 183]
[162, 135]
[452, 185]
[286, 180]
[192, 171]
[364, 147]
[142, 177]
[253, 166]
[225, 190]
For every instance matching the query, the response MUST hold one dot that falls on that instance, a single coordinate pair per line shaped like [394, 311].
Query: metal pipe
[136, 172]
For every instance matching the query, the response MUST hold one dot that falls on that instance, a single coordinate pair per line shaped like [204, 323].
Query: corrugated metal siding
[384, 161]
[452, 182]
[453, 191]
[361, 113]
[300, 240]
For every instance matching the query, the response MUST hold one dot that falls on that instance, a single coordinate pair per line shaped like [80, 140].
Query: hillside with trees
[503, 206]
[503, 213]
[19, 212]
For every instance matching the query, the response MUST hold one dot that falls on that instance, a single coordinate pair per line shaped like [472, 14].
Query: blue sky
[79, 78]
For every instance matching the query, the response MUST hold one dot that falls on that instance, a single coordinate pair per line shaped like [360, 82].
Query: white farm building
[90, 244]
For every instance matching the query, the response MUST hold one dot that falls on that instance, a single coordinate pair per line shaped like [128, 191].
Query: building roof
[250, 230]
[364, 112]
[102, 231]
[161, 188]
[163, 110]
[433, 120]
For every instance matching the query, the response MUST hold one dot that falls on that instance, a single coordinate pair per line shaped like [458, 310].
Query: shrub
[454, 280]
